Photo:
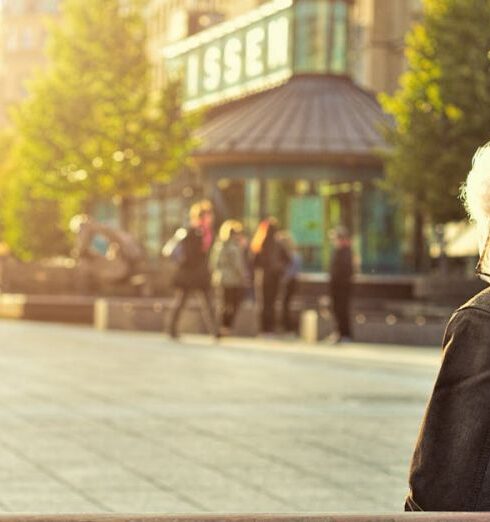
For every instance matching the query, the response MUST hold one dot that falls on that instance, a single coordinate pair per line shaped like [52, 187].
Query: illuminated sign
[257, 50]
[247, 54]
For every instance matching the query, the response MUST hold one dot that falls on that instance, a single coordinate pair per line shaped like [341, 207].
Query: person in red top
[271, 258]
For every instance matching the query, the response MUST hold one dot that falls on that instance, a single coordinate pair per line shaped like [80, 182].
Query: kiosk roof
[310, 118]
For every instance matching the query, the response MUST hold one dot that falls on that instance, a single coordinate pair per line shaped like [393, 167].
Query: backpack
[174, 247]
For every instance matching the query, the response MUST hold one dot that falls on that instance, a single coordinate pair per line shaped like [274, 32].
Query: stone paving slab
[101, 422]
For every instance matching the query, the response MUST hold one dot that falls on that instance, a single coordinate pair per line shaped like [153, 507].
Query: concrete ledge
[62, 309]
[398, 517]
[152, 315]
[401, 332]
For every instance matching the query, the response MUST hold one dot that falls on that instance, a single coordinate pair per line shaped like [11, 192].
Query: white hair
[475, 193]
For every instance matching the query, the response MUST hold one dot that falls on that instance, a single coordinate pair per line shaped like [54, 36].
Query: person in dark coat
[341, 270]
[191, 253]
[271, 258]
[450, 469]
[289, 282]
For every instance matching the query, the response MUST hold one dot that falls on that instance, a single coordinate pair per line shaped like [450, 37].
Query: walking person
[191, 250]
[450, 469]
[289, 281]
[271, 258]
[341, 270]
[229, 271]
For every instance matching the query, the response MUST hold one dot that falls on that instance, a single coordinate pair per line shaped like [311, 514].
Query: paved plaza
[130, 422]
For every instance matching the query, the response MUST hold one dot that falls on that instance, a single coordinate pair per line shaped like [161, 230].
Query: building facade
[377, 32]
[23, 34]
[293, 125]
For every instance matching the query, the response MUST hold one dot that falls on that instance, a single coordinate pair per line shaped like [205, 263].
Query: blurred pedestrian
[271, 258]
[190, 250]
[229, 271]
[450, 468]
[341, 270]
[248, 256]
[289, 280]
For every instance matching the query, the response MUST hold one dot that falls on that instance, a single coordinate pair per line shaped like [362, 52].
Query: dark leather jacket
[450, 468]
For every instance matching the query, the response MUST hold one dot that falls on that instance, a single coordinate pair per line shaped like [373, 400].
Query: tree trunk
[124, 213]
[419, 247]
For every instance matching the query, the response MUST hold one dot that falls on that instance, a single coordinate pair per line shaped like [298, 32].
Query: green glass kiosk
[288, 133]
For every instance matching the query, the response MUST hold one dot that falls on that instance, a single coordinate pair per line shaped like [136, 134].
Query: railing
[398, 517]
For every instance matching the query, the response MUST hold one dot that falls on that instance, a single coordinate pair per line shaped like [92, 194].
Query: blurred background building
[23, 33]
[293, 125]
[377, 32]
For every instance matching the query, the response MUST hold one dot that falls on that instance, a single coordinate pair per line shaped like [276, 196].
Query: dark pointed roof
[310, 118]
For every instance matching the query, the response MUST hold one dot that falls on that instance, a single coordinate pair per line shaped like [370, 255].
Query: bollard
[309, 326]
[101, 314]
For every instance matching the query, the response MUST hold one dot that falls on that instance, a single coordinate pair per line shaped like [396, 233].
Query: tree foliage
[92, 129]
[442, 109]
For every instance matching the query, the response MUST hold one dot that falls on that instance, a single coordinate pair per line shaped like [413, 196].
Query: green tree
[92, 129]
[442, 109]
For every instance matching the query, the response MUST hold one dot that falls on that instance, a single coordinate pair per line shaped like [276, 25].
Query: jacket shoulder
[480, 301]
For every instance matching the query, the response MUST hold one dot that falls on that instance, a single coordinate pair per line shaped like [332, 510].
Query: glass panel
[307, 226]
[153, 228]
[311, 40]
[380, 239]
[339, 41]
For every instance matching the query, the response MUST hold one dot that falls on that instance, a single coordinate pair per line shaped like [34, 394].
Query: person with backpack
[229, 271]
[190, 249]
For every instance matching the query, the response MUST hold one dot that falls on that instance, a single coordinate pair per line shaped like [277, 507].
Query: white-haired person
[450, 468]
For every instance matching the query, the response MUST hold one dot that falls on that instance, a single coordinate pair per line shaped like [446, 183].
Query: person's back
[229, 271]
[271, 258]
[450, 468]
[340, 282]
[194, 256]
[192, 266]
[229, 264]
[452, 454]
[341, 265]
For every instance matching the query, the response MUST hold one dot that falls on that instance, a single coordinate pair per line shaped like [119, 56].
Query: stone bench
[52, 308]
[384, 328]
[145, 314]
[396, 517]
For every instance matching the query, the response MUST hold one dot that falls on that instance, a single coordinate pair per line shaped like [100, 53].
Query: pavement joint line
[264, 455]
[389, 353]
[162, 487]
[205, 465]
[55, 476]
[284, 462]
[351, 350]
[30, 423]
[45, 389]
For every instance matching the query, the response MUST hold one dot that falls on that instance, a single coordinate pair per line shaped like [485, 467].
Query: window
[321, 36]
[338, 55]
[28, 38]
[50, 6]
